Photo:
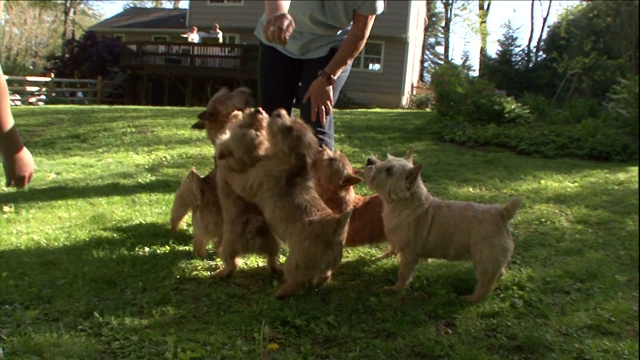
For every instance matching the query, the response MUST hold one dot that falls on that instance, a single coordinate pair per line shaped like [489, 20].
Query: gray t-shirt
[320, 25]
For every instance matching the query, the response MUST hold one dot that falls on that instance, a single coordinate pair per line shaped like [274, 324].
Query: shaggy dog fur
[419, 225]
[200, 195]
[334, 178]
[279, 182]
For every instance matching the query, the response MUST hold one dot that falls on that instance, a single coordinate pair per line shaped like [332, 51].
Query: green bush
[592, 139]
[623, 104]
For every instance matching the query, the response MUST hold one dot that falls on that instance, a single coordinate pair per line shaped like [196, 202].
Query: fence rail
[40, 90]
[224, 56]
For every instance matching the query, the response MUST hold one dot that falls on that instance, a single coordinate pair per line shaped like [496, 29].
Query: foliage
[461, 97]
[87, 58]
[580, 130]
[31, 31]
[623, 105]
[432, 56]
[90, 269]
[505, 70]
[594, 45]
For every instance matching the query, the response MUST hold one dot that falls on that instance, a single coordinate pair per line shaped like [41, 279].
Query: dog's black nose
[370, 162]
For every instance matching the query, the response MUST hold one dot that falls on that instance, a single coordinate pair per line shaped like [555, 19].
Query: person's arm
[17, 161]
[320, 92]
[279, 24]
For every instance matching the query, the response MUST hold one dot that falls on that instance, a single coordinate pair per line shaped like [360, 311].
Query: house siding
[400, 27]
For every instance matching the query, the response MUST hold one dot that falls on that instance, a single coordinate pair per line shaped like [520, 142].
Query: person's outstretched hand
[19, 168]
[321, 97]
[278, 28]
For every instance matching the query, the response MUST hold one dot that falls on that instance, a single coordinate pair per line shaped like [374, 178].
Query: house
[384, 74]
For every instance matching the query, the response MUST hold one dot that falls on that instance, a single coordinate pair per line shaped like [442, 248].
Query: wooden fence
[40, 90]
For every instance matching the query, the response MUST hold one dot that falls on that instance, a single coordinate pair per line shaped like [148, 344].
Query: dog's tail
[185, 199]
[509, 210]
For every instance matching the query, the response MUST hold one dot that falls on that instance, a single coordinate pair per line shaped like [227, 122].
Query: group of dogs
[273, 184]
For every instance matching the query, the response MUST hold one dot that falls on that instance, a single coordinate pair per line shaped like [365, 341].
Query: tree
[448, 6]
[87, 58]
[432, 56]
[484, 6]
[505, 70]
[592, 47]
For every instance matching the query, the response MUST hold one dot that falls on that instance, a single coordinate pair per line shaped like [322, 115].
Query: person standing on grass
[310, 45]
[17, 162]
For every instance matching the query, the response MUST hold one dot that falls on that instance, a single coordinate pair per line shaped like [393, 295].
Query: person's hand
[321, 96]
[278, 28]
[19, 168]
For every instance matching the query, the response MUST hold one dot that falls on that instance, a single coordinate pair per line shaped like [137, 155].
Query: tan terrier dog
[334, 178]
[281, 185]
[220, 111]
[420, 225]
[199, 195]
[245, 229]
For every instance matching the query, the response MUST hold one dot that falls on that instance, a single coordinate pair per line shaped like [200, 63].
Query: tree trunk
[446, 29]
[483, 14]
[544, 24]
[529, 51]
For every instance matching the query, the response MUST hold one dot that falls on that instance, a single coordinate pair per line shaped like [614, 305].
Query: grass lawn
[90, 270]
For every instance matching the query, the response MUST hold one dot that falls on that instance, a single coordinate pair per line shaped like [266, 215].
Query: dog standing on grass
[245, 230]
[199, 194]
[419, 225]
[281, 185]
[335, 178]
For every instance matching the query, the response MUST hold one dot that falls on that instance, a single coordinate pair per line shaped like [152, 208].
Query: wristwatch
[325, 75]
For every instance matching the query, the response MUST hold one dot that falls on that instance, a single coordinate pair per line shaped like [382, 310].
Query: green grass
[90, 270]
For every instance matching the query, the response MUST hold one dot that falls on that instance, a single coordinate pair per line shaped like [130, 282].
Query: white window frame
[224, 3]
[156, 38]
[226, 37]
[362, 55]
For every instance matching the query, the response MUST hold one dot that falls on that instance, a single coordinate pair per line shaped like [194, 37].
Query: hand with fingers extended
[278, 28]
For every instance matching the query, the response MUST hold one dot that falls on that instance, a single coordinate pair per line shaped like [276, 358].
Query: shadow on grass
[140, 284]
[57, 193]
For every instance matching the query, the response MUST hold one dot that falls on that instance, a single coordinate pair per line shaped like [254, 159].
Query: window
[119, 37]
[231, 38]
[159, 38]
[225, 2]
[370, 58]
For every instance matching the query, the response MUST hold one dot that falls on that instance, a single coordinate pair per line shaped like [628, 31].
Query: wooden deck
[182, 74]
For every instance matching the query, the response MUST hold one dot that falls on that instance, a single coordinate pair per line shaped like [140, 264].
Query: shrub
[622, 105]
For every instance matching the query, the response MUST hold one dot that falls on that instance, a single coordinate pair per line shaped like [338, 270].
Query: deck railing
[225, 56]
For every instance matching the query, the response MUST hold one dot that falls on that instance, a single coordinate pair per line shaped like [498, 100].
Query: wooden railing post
[99, 90]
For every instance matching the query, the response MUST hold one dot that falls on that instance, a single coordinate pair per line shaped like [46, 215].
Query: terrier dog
[420, 225]
[220, 111]
[279, 182]
[334, 178]
[198, 195]
[245, 229]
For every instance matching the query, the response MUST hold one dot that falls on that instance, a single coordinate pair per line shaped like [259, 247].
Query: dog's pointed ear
[413, 176]
[409, 156]
[350, 180]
